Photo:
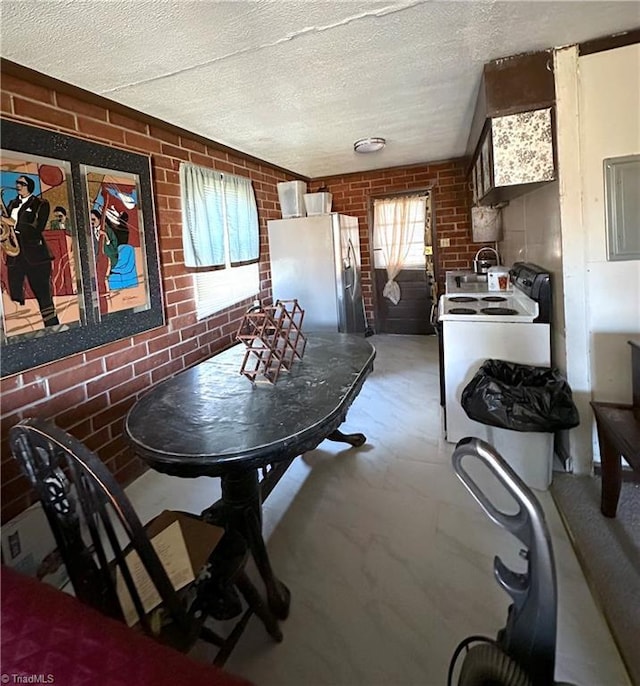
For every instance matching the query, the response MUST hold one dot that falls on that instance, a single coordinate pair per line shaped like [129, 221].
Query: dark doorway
[410, 228]
[412, 314]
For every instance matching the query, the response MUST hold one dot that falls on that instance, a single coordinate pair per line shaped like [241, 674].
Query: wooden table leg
[356, 440]
[215, 514]
[611, 475]
[243, 513]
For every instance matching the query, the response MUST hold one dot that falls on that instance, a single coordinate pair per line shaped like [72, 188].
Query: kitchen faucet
[487, 247]
[481, 265]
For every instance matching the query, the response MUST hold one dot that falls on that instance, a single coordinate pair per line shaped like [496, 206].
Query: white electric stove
[498, 306]
[512, 326]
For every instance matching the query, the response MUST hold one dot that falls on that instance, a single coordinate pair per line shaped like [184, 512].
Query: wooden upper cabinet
[511, 143]
[519, 83]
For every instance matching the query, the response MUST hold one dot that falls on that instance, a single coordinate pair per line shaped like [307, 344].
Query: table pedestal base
[241, 511]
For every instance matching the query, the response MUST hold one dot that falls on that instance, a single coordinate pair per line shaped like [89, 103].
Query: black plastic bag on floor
[520, 397]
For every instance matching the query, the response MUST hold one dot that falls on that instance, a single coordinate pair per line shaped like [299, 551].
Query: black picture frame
[95, 330]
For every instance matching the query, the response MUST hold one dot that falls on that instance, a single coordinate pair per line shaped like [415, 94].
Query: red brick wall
[451, 203]
[89, 393]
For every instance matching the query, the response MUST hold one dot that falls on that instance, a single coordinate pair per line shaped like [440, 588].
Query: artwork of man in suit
[34, 261]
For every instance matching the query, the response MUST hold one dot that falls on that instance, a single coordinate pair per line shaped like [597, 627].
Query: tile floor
[387, 556]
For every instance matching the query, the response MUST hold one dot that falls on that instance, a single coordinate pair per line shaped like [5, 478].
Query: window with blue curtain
[220, 237]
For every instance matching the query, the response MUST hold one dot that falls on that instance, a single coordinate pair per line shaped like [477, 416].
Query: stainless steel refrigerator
[317, 260]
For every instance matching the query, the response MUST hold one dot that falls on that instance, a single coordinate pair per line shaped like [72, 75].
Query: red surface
[50, 175]
[61, 270]
[47, 632]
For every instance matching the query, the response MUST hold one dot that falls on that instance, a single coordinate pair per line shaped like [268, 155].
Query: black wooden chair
[95, 528]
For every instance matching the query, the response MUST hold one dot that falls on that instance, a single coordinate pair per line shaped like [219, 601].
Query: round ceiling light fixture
[369, 144]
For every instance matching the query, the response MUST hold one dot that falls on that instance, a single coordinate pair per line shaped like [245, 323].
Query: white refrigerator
[317, 260]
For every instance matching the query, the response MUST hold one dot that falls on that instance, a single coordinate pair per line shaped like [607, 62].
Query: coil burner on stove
[461, 310]
[494, 299]
[463, 299]
[498, 311]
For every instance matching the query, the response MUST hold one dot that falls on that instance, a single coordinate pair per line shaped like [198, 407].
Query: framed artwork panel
[116, 220]
[40, 279]
[79, 263]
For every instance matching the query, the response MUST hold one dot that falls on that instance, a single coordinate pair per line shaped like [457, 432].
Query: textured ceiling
[296, 82]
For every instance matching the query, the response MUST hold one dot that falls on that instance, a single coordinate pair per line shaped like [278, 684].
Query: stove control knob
[527, 282]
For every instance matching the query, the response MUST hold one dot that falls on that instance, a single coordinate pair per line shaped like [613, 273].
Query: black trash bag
[520, 397]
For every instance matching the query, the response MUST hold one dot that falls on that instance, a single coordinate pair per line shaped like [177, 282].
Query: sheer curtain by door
[398, 232]
[219, 232]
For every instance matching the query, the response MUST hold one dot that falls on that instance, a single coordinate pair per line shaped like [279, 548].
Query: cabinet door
[487, 163]
[523, 148]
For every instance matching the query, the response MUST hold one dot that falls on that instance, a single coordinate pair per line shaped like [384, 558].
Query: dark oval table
[210, 420]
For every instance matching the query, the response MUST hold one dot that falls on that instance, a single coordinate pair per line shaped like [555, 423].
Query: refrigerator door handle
[352, 264]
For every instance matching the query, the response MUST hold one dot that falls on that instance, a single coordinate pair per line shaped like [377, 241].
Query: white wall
[609, 127]
[578, 442]
[561, 226]
[532, 233]
[598, 106]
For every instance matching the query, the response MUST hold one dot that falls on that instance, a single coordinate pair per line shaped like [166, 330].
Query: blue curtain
[242, 219]
[212, 204]
[202, 216]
